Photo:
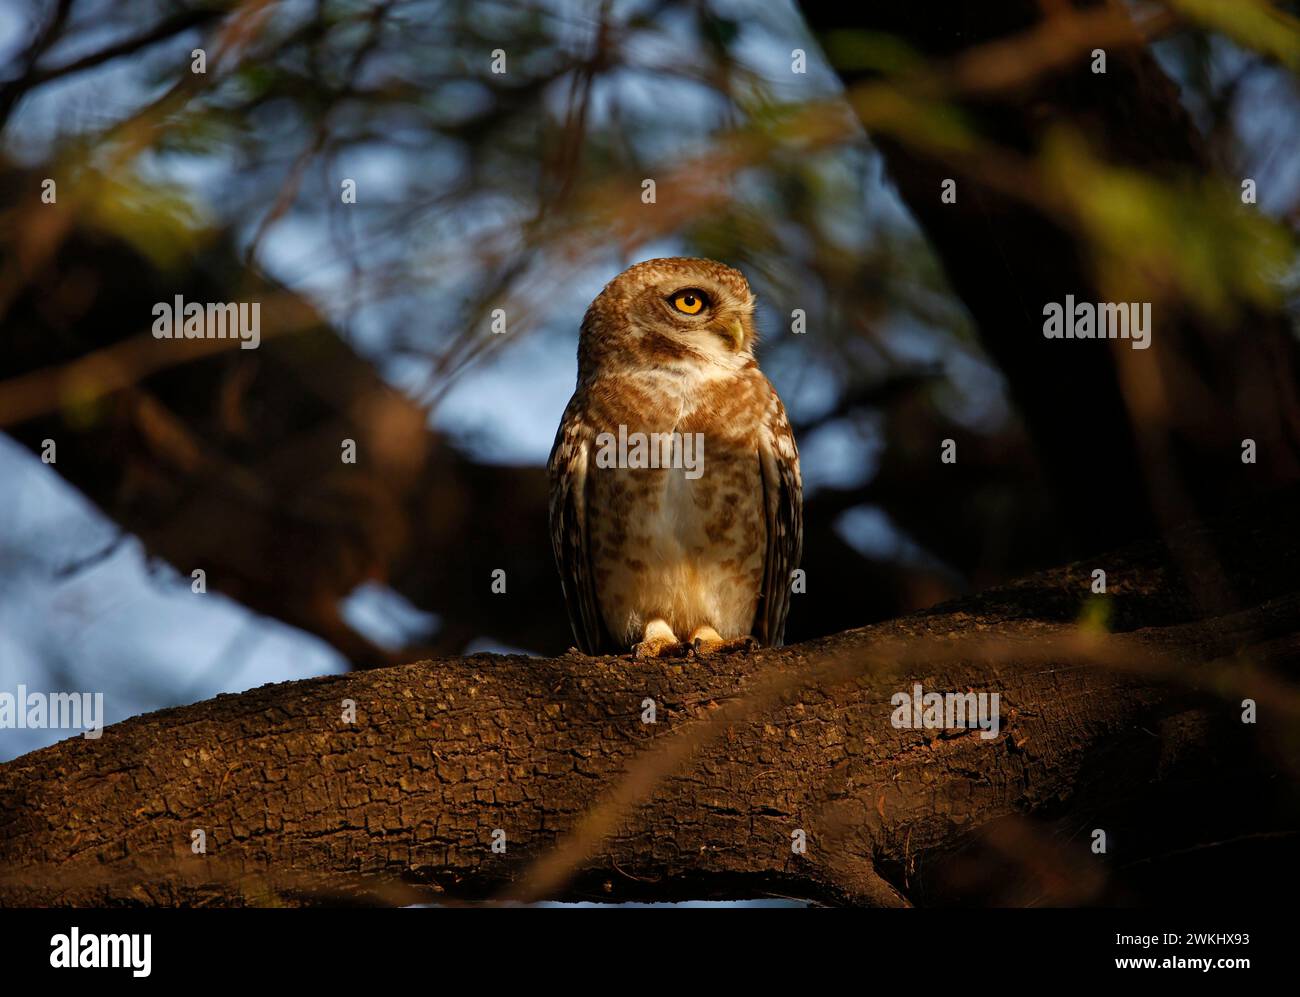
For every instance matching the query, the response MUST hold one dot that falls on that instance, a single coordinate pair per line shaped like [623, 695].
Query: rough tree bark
[298, 806]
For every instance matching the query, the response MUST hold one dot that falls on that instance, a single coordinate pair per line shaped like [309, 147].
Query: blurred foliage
[1255, 24]
[160, 220]
[1192, 241]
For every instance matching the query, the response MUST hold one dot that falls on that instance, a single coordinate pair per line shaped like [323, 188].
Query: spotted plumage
[698, 554]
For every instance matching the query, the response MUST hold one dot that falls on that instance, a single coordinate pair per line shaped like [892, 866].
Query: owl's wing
[778, 461]
[568, 466]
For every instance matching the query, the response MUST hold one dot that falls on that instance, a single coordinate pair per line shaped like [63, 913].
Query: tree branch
[297, 806]
[162, 31]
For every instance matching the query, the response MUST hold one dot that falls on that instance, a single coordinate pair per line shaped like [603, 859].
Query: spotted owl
[676, 505]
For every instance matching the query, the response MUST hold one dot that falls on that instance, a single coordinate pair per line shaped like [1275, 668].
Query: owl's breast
[681, 543]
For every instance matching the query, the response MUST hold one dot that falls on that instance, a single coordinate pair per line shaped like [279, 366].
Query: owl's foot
[706, 641]
[661, 648]
[659, 641]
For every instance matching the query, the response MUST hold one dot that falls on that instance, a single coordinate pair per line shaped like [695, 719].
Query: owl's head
[671, 312]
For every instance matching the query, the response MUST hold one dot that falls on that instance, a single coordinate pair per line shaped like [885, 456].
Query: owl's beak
[733, 329]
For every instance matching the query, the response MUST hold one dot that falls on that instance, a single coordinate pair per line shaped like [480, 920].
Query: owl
[676, 505]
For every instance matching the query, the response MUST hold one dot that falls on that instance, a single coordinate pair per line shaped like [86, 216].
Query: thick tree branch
[1130, 733]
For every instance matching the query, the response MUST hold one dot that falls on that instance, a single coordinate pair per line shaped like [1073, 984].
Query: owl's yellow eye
[688, 302]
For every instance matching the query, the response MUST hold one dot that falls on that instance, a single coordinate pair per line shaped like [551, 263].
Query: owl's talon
[660, 647]
[702, 647]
